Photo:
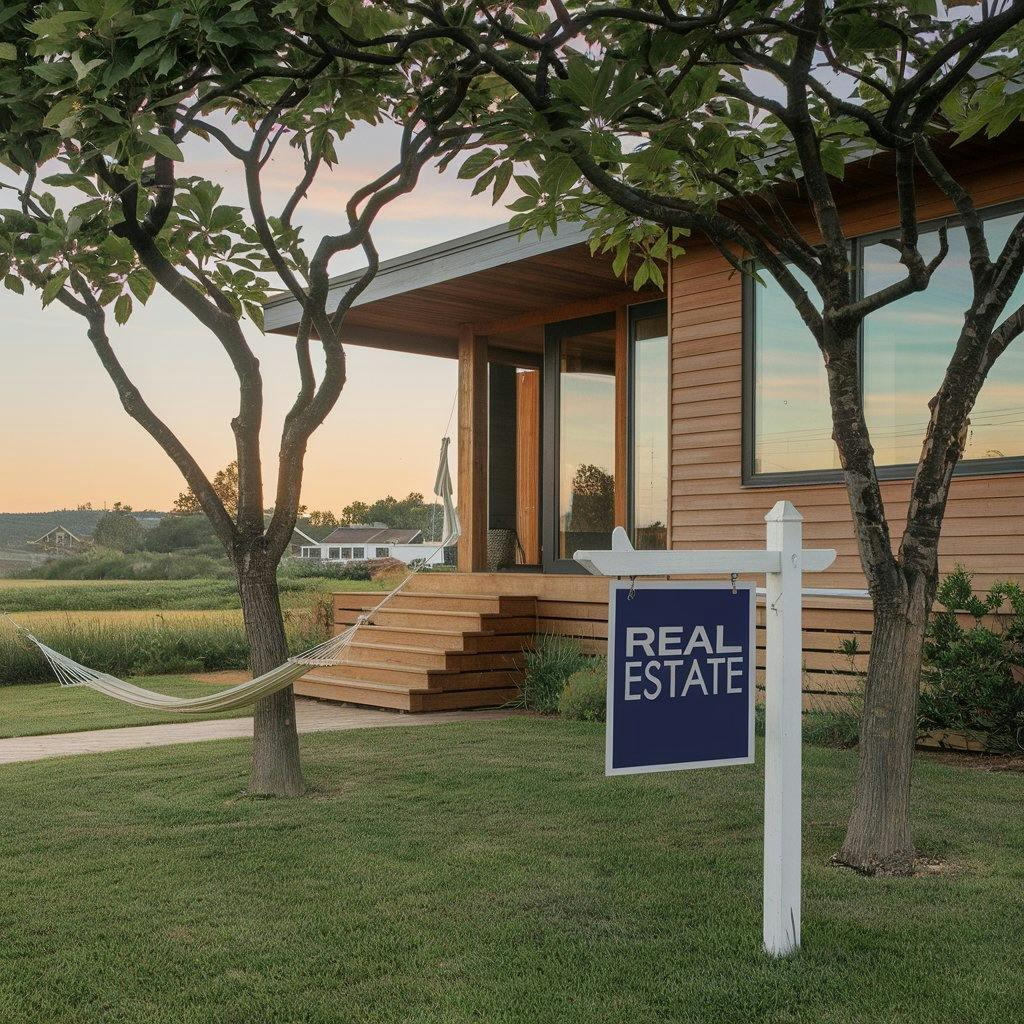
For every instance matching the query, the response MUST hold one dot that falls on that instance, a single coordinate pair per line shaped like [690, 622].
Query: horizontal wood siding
[984, 521]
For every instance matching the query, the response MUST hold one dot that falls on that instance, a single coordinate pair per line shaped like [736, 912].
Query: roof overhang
[417, 302]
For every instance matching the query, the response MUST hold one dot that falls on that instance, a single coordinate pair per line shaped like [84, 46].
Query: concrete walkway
[312, 716]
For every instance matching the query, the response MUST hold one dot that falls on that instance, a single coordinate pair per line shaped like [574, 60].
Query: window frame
[636, 312]
[554, 334]
[1000, 466]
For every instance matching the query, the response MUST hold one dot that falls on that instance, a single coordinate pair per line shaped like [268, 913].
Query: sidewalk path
[312, 716]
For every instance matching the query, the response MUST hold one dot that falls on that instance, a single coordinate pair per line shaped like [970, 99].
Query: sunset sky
[67, 440]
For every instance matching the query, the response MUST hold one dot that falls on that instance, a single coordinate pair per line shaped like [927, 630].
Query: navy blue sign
[680, 676]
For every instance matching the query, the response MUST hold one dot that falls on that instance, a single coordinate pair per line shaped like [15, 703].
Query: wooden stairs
[428, 652]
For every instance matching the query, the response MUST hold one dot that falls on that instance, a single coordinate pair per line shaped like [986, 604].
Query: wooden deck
[442, 650]
[456, 640]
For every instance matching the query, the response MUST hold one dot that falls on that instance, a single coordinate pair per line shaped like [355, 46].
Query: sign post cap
[783, 512]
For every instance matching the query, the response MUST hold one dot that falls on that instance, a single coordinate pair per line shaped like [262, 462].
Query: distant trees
[592, 503]
[177, 532]
[322, 520]
[408, 513]
[225, 486]
[119, 529]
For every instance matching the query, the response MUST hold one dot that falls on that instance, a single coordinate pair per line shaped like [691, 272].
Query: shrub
[549, 664]
[102, 564]
[970, 683]
[304, 567]
[584, 697]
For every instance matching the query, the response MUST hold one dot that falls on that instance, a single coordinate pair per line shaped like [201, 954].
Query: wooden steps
[428, 651]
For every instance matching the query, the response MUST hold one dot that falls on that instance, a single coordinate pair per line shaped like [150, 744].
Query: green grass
[155, 595]
[38, 709]
[140, 643]
[485, 872]
[149, 627]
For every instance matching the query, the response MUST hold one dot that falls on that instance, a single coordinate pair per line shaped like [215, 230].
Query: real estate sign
[680, 676]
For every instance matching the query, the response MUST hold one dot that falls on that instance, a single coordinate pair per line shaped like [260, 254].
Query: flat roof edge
[435, 264]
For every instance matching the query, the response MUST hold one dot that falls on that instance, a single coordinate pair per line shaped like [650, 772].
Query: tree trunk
[276, 770]
[878, 839]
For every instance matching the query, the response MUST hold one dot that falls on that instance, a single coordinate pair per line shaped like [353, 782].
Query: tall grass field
[130, 628]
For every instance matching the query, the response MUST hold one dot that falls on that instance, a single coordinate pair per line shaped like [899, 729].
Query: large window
[905, 349]
[586, 439]
[649, 424]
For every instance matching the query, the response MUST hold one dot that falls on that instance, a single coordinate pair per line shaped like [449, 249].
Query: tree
[320, 520]
[101, 103]
[408, 513]
[592, 501]
[178, 532]
[119, 529]
[733, 120]
[225, 486]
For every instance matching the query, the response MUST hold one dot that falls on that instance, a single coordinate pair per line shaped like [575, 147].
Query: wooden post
[783, 736]
[622, 481]
[472, 483]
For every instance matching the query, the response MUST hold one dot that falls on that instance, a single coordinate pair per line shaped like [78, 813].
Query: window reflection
[792, 415]
[907, 347]
[586, 484]
[650, 430]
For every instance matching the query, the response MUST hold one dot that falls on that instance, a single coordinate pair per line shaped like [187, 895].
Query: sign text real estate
[680, 676]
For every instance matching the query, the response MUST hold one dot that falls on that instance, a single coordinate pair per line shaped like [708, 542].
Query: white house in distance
[363, 542]
[60, 538]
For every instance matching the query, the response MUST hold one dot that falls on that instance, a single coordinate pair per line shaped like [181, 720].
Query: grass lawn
[39, 708]
[485, 872]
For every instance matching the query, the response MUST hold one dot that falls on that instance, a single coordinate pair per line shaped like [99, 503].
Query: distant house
[363, 542]
[299, 541]
[60, 538]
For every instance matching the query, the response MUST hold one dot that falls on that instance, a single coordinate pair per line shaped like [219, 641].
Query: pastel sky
[66, 439]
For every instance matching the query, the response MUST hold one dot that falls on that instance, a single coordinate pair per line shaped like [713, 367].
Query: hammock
[330, 652]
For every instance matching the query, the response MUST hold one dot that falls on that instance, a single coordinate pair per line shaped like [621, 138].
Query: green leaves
[52, 288]
[163, 145]
[123, 308]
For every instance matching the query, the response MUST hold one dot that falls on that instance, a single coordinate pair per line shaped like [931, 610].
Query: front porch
[457, 640]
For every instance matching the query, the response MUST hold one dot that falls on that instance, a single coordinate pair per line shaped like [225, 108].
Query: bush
[549, 665]
[969, 676]
[585, 695]
[184, 533]
[102, 564]
[305, 567]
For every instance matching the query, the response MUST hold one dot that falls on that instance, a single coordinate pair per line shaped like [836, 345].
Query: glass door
[579, 439]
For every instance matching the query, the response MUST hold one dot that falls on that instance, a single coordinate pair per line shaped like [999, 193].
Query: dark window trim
[1003, 466]
[634, 313]
[551, 384]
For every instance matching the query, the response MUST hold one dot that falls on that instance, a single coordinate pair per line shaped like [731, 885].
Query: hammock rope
[330, 652]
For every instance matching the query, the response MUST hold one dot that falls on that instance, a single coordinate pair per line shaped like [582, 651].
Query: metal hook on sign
[733, 577]
[632, 588]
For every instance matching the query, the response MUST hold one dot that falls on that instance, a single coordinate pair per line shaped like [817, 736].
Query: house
[682, 415]
[358, 543]
[60, 539]
[300, 540]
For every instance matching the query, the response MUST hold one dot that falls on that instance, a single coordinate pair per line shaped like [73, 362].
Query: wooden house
[682, 415]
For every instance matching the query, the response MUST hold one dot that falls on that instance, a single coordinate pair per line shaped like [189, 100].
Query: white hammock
[330, 652]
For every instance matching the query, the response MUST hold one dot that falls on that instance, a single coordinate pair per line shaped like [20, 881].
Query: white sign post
[783, 562]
